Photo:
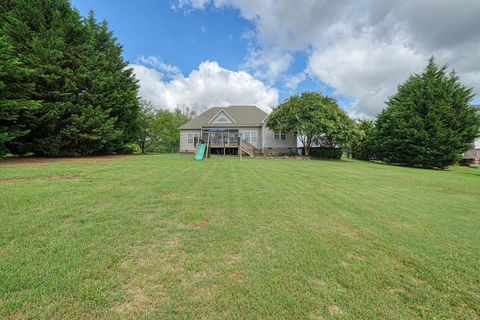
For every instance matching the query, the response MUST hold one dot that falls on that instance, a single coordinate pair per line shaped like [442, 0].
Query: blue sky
[218, 52]
[185, 38]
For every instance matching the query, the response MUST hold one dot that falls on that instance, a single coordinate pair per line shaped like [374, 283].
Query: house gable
[221, 117]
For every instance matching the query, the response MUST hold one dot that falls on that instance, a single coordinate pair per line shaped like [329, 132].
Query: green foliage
[159, 128]
[145, 134]
[315, 119]
[87, 99]
[429, 122]
[326, 153]
[14, 100]
[363, 144]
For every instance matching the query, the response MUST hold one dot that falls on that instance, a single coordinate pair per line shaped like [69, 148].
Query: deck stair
[246, 147]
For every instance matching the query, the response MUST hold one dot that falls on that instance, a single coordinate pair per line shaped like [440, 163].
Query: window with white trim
[222, 120]
[249, 136]
[191, 137]
[279, 135]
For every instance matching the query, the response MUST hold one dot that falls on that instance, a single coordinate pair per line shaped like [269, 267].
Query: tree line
[65, 90]
[428, 123]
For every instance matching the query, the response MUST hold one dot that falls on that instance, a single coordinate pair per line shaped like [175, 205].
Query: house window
[280, 135]
[249, 136]
[253, 136]
[191, 137]
[222, 120]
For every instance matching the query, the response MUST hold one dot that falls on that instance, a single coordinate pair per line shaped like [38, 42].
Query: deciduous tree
[315, 119]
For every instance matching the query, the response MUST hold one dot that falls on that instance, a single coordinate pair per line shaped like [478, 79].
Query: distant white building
[473, 155]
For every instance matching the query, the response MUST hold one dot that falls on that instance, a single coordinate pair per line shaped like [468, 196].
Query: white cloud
[363, 49]
[164, 70]
[209, 85]
[292, 81]
[268, 65]
[369, 70]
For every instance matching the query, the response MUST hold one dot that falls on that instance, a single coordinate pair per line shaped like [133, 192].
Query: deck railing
[246, 147]
[472, 154]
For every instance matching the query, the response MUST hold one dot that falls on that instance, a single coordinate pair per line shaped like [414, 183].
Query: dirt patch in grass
[348, 231]
[27, 161]
[233, 258]
[173, 242]
[204, 292]
[169, 196]
[396, 290]
[335, 310]
[196, 224]
[40, 179]
[137, 304]
[238, 276]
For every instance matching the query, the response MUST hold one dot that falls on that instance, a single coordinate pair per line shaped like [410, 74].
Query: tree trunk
[307, 150]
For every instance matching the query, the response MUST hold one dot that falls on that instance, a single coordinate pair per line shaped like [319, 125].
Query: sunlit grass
[164, 236]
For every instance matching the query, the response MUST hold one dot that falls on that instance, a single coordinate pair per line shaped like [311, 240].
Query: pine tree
[429, 122]
[112, 85]
[87, 98]
[14, 101]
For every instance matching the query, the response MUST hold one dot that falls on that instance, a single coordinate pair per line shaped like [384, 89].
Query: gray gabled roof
[244, 116]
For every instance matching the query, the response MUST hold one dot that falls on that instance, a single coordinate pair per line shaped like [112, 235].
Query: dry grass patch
[35, 161]
[335, 310]
[238, 276]
[40, 179]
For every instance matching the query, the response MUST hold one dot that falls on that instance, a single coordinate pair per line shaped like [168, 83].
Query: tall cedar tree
[14, 100]
[80, 81]
[429, 122]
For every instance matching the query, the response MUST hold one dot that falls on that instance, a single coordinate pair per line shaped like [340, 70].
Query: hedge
[326, 153]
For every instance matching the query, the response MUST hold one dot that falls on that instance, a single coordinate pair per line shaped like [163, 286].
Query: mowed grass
[166, 237]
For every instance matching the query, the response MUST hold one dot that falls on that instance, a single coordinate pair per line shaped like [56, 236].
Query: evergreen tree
[87, 99]
[429, 122]
[14, 101]
[111, 84]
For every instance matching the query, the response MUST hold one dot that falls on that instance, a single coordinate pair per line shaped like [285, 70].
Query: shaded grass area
[163, 236]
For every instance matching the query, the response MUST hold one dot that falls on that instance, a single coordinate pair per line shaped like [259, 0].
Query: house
[233, 129]
[472, 155]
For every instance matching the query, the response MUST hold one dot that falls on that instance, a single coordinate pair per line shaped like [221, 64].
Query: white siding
[222, 118]
[477, 144]
[185, 146]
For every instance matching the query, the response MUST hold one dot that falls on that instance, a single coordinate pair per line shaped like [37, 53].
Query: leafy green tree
[146, 136]
[363, 144]
[166, 124]
[159, 128]
[315, 119]
[14, 100]
[428, 122]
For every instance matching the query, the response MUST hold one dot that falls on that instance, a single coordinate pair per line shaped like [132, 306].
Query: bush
[292, 153]
[326, 153]
[129, 148]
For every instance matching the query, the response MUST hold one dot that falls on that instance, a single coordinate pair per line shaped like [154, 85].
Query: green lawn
[165, 237]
